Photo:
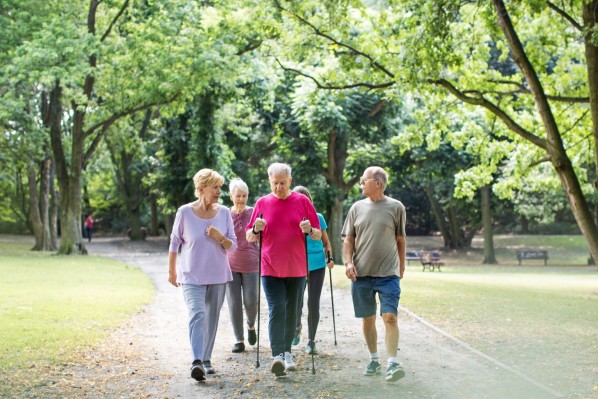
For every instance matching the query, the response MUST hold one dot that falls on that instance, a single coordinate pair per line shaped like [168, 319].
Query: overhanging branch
[481, 101]
[371, 86]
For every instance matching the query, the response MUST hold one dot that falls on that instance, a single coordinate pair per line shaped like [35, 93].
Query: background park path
[150, 356]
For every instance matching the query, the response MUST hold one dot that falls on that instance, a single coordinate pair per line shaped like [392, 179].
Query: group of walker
[281, 244]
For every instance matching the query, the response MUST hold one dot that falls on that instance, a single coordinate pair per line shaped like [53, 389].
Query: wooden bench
[431, 260]
[411, 255]
[535, 254]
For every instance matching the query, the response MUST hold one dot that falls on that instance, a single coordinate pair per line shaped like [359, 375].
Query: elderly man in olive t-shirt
[374, 251]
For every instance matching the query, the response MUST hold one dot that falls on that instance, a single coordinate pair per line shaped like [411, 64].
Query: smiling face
[280, 183]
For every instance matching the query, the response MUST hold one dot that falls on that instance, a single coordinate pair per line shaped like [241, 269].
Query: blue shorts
[364, 291]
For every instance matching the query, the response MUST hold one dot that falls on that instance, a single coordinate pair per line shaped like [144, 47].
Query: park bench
[411, 255]
[535, 254]
[431, 260]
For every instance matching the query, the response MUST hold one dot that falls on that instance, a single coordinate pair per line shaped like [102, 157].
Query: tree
[441, 47]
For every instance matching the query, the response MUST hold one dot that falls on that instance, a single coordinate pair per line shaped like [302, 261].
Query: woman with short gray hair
[242, 291]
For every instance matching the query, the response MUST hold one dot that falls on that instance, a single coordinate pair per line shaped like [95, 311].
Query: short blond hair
[206, 178]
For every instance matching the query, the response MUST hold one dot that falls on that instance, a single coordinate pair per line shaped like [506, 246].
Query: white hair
[277, 168]
[238, 184]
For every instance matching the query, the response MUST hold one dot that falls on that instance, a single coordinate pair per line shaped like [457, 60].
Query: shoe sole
[369, 374]
[198, 374]
[290, 368]
[210, 371]
[397, 375]
[278, 369]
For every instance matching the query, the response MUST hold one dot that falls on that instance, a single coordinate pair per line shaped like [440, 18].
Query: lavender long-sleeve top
[203, 261]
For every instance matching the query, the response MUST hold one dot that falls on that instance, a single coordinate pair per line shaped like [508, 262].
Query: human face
[211, 195]
[239, 199]
[280, 183]
[368, 183]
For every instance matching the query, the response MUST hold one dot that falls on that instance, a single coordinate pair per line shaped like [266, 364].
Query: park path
[436, 365]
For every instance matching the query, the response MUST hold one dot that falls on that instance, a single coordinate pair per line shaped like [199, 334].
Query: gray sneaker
[372, 369]
[207, 366]
[394, 372]
[289, 363]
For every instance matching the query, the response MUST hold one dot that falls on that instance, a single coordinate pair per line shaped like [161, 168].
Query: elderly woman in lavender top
[204, 232]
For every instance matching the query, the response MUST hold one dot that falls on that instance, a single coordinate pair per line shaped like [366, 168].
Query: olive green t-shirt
[375, 226]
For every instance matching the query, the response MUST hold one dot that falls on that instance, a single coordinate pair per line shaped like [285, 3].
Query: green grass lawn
[52, 306]
[540, 320]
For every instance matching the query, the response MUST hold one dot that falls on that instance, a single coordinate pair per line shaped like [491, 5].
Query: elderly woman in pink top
[242, 292]
[204, 232]
[287, 217]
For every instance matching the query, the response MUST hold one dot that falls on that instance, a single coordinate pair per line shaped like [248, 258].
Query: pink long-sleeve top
[203, 260]
[245, 258]
[283, 243]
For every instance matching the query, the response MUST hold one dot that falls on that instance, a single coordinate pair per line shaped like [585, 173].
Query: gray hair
[379, 174]
[277, 168]
[238, 184]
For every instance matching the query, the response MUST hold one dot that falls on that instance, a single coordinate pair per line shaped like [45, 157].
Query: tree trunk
[590, 18]
[554, 147]
[154, 230]
[34, 215]
[489, 256]
[438, 215]
[335, 228]
[456, 232]
[53, 216]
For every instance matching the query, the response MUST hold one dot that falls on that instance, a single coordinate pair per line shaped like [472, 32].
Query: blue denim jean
[283, 295]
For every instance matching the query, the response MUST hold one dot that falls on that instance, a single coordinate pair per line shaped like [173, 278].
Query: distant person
[374, 251]
[287, 216]
[89, 226]
[204, 232]
[242, 291]
[317, 260]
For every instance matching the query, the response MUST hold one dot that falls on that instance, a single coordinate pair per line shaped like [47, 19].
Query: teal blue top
[315, 249]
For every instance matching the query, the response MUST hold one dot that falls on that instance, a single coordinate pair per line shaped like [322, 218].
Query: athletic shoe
[239, 347]
[289, 363]
[372, 369]
[251, 337]
[394, 372]
[207, 366]
[296, 338]
[310, 348]
[278, 365]
[197, 371]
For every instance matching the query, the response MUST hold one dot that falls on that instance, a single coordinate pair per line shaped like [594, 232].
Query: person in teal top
[317, 262]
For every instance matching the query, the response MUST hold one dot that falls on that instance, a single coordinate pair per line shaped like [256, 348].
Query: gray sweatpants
[242, 292]
[203, 303]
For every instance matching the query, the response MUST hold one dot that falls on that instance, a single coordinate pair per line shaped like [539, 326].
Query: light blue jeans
[203, 303]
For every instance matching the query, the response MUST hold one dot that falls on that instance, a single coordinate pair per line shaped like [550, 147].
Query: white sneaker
[278, 366]
[289, 363]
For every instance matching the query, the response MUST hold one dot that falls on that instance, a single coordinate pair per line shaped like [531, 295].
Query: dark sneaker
[251, 337]
[197, 371]
[278, 365]
[207, 366]
[239, 347]
[297, 337]
[372, 369]
[394, 372]
[311, 348]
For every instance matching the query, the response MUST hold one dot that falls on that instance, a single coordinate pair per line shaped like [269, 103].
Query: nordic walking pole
[331, 296]
[259, 285]
[310, 316]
